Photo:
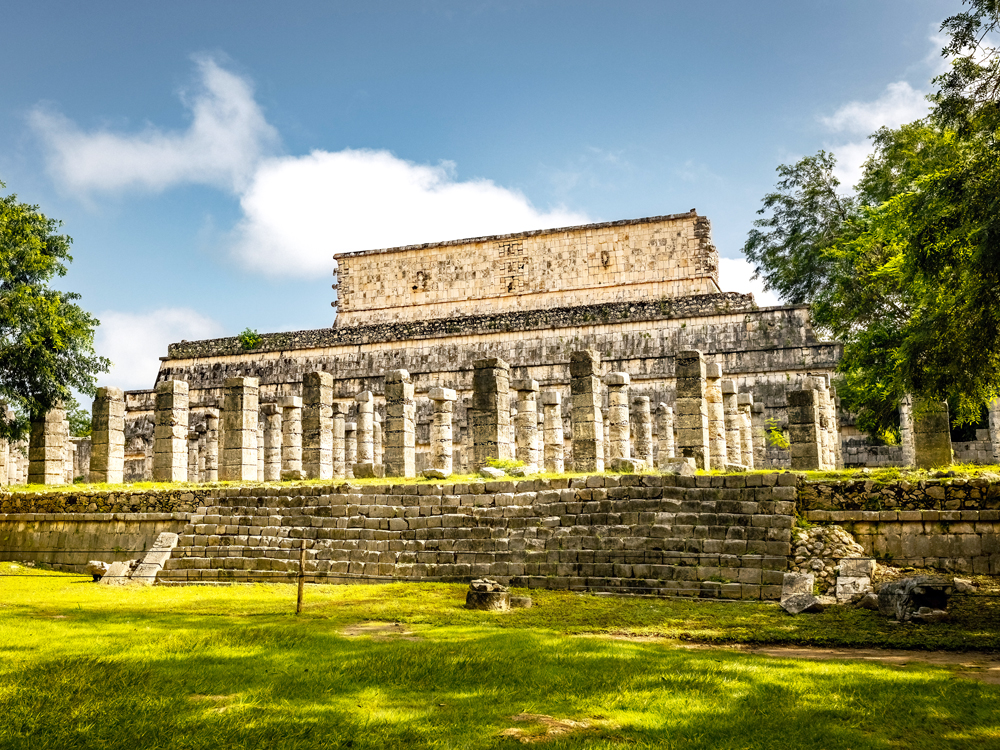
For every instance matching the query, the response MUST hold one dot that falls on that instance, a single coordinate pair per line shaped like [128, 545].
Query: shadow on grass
[194, 681]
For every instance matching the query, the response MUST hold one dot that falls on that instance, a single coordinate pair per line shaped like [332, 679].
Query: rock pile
[819, 551]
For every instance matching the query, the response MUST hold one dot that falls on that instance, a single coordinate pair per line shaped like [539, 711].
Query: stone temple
[637, 291]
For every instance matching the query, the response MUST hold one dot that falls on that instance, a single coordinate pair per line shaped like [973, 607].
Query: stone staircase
[703, 536]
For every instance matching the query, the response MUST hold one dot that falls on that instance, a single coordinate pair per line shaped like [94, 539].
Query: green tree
[906, 271]
[801, 221]
[46, 339]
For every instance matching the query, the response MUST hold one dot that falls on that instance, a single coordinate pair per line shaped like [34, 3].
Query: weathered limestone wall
[966, 541]
[621, 261]
[67, 541]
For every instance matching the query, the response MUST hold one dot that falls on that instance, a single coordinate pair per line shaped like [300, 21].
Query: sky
[208, 159]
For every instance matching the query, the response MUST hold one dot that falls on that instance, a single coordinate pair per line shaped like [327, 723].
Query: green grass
[85, 666]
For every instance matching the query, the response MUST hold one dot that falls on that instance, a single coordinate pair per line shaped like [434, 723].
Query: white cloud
[134, 342]
[734, 276]
[299, 211]
[899, 103]
[227, 137]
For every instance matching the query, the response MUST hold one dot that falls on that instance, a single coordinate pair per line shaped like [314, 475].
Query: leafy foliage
[775, 437]
[906, 271]
[249, 339]
[790, 246]
[79, 419]
[46, 339]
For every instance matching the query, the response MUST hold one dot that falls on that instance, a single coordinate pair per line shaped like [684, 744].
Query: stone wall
[621, 261]
[933, 494]
[966, 541]
[860, 452]
[67, 541]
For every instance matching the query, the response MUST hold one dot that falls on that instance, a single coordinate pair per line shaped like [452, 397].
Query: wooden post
[302, 577]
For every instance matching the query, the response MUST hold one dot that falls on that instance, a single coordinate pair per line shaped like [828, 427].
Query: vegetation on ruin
[905, 271]
[406, 666]
[882, 475]
[249, 339]
[46, 338]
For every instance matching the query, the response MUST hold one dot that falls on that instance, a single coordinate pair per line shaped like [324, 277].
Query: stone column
[70, 464]
[717, 443]
[617, 435]
[692, 410]
[377, 439]
[260, 447]
[212, 446]
[587, 419]
[442, 432]
[758, 436]
[744, 402]
[552, 430]
[202, 449]
[995, 429]
[467, 447]
[838, 447]
[805, 429]
[6, 450]
[642, 431]
[317, 425]
[192, 443]
[238, 454]
[400, 428]
[664, 433]
[107, 453]
[526, 427]
[491, 415]
[272, 441]
[350, 447]
[931, 434]
[170, 432]
[364, 465]
[731, 413]
[906, 430]
[291, 437]
[340, 441]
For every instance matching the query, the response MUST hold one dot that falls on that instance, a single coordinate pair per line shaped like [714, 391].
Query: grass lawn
[86, 666]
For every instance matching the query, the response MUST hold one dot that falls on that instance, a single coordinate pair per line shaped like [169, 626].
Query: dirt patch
[973, 666]
[380, 631]
[545, 728]
[982, 667]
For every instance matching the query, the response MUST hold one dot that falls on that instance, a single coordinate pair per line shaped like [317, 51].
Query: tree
[46, 339]
[790, 247]
[905, 272]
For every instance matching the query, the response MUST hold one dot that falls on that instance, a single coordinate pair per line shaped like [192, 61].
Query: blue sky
[209, 158]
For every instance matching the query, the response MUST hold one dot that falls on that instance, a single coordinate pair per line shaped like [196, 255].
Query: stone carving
[400, 435]
[717, 441]
[317, 425]
[691, 409]
[553, 431]
[526, 425]
[107, 456]
[642, 431]
[587, 420]
[239, 430]
[491, 411]
[170, 451]
[443, 400]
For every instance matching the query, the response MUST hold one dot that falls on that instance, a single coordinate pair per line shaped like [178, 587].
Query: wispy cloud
[735, 276]
[134, 342]
[297, 210]
[225, 141]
